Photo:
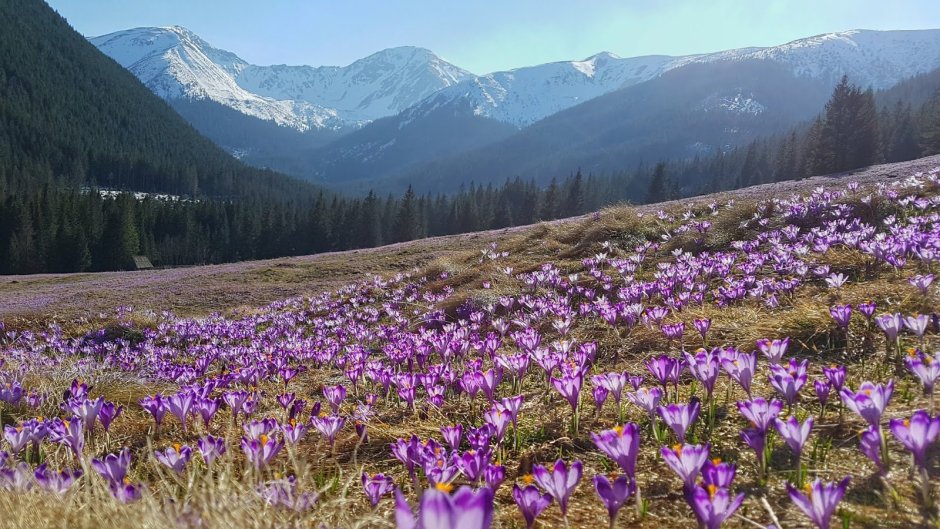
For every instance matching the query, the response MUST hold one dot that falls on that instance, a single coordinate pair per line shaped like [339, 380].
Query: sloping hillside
[201, 290]
[68, 113]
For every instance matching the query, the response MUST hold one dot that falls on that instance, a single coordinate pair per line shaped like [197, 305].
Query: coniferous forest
[60, 148]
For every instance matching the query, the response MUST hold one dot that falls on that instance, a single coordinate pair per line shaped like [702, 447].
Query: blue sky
[489, 35]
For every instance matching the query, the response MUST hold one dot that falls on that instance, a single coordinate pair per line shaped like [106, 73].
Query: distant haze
[488, 35]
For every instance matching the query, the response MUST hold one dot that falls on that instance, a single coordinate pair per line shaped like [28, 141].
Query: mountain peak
[401, 55]
[604, 55]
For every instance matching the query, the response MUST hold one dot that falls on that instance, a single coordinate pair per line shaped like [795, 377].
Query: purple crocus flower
[686, 461]
[466, 509]
[789, 379]
[614, 495]
[921, 282]
[176, 457]
[113, 467]
[841, 314]
[794, 433]
[256, 427]
[77, 389]
[867, 309]
[376, 486]
[869, 401]
[560, 482]
[664, 368]
[635, 381]
[69, 432]
[235, 401]
[680, 416]
[836, 280]
[125, 492]
[870, 445]
[822, 389]
[17, 436]
[299, 405]
[16, 478]
[283, 493]
[647, 399]
[531, 502]
[494, 475]
[621, 444]
[773, 349]
[206, 408]
[600, 395]
[917, 324]
[741, 368]
[285, 399]
[479, 438]
[472, 463]
[293, 431]
[211, 448]
[499, 420]
[329, 426]
[713, 505]
[717, 473]
[702, 326]
[87, 410]
[613, 383]
[925, 367]
[569, 386]
[511, 406]
[890, 325]
[56, 482]
[180, 405]
[704, 366]
[262, 450]
[835, 375]
[452, 435]
[109, 411]
[756, 439]
[335, 395]
[820, 501]
[916, 434]
[156, 405]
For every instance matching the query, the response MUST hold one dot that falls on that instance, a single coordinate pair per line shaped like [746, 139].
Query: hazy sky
[488, 35]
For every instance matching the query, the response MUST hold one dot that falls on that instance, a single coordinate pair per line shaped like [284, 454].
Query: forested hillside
[72, 120]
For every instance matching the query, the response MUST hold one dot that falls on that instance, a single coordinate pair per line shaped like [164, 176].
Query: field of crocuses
[753, 363]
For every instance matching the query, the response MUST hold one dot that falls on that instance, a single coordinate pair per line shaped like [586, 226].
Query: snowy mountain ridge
[522, 96]
[175, 63]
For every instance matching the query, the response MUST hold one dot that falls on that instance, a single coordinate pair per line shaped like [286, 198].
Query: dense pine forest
[73, 122]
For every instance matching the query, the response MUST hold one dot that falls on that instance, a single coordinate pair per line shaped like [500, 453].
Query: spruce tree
[659, 185]
[406, 223]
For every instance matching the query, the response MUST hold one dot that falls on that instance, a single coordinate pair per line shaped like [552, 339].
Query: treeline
[60, 229]
[56, 228]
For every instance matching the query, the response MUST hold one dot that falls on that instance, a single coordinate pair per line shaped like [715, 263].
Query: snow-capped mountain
[405, 114]
[379, 85]
[525, 95]
[175, 63]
